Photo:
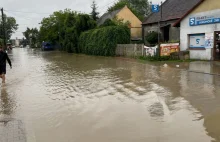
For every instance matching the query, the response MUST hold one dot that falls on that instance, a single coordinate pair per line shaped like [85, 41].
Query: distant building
[170, 12]
[125, 14]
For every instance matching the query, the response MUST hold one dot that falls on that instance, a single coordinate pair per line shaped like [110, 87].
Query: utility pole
[3, 27]
[161, 15]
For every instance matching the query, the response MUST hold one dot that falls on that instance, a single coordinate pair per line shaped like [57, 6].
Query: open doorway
[166, 33]
[217, 46]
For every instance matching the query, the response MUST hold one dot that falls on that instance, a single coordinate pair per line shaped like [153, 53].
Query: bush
[103, 41]
[152, 38]
[108, 22]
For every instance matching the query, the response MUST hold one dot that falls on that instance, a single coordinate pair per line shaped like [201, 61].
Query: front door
[217, 46]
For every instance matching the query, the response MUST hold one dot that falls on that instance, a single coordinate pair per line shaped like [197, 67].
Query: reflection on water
[66, 97]
[7, 104]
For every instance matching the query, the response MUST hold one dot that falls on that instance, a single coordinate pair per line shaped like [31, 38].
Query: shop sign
[203, 20]
[197, 41]
[155, 8]
[167, 49]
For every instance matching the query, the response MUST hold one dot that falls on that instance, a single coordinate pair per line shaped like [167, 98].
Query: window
[197, 41]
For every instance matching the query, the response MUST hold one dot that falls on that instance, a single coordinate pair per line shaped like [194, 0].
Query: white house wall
[185, 30]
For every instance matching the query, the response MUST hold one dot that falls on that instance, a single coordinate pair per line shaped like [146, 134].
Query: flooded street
[60, 97]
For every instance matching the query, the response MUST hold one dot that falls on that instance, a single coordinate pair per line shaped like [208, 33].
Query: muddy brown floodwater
[59, 97]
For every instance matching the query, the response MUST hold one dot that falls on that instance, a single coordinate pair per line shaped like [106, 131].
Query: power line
[25, 12]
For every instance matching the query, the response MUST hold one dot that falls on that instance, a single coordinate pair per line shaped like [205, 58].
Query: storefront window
[197, 41]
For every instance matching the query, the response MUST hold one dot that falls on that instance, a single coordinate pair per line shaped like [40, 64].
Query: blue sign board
[155, 8]
[195, 21]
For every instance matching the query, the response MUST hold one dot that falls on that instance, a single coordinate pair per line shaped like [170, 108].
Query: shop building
[200, 30]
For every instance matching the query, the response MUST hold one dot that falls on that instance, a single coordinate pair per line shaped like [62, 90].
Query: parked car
[47, 46]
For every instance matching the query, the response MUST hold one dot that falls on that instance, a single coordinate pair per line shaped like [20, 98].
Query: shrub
[152, 38]
[103, 41]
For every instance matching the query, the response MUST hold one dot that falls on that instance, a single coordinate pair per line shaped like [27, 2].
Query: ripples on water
[84, 98]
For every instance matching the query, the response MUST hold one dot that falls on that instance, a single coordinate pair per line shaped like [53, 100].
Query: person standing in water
[3, 58]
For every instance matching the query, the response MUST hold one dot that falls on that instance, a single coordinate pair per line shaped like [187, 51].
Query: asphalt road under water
[60, 97]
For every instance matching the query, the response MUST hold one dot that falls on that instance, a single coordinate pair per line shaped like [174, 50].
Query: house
[170, 12]
[125, 14]
[200, 30]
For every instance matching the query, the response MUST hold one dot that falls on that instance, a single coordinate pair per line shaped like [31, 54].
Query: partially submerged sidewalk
[205, 67]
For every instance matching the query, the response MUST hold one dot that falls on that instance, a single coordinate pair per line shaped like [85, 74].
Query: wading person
[3, 58]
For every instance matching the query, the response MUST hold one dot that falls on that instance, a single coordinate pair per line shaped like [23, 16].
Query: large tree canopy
[32, 36]
[141, 8]
[10, 27]
[64, 28]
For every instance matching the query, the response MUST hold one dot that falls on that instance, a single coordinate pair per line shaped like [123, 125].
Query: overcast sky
[29, 13]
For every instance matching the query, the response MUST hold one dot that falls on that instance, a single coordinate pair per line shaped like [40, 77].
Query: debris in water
[165, 65]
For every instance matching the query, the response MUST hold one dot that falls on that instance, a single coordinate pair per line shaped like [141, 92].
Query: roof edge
[186, 14]
[160, 21]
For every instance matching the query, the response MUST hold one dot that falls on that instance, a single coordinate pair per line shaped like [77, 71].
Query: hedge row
[103, 41]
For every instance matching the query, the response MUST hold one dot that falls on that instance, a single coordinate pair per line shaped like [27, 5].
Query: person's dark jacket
[3, 58]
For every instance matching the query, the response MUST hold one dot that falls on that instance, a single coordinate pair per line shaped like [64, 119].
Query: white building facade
[200, 32]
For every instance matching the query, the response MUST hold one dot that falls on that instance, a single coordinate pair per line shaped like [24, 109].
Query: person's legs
[3, 78]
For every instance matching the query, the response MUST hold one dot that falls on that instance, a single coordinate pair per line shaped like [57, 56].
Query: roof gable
[172, 9]
[127, 15]
[109, 15]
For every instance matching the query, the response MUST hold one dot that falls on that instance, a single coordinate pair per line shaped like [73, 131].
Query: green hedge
[103, 41]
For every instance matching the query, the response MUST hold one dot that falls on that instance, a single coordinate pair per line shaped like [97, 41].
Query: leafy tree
[32, 36]
[64, 28]
[94, 14]
[52, 28]
[24, 42]
[141, 8]
[10, 27]
[115, 22]
[71, 35]
[27, 33]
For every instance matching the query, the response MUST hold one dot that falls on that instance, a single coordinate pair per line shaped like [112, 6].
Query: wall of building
[207, 5]
[174, 31]
[127, 15]
[186, 29]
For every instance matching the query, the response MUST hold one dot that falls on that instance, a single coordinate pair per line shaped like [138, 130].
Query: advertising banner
[167, 49]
